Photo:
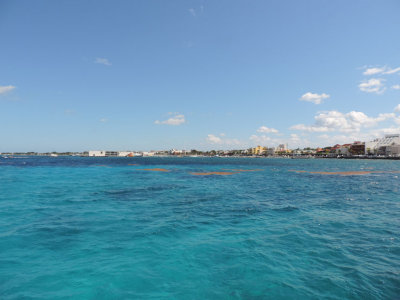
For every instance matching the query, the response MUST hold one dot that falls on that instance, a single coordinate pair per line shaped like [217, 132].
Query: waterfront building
[392, 150]
[177, 152]
[125, 153]
[151, 153]
[97, 153]
[357, 148]
[270, 151]
[282, 148]
[342, 149]
[111, 153]
[259, 150]
[378, 146]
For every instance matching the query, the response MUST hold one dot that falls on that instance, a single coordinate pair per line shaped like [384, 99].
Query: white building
[97, 153]
[389, 140]
[125, 153]
[151, 153]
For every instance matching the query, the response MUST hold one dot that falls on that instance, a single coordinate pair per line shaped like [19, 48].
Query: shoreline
[11, 156]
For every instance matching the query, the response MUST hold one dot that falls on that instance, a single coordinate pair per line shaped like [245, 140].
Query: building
[343, 150]
[357, 148]
[97, 153]
[378, 146]
[259, 150]
[111, 153]
[392, 150]
[282, 148]
[125, 153]
[151, 153]
[176, 152]
[270, 151]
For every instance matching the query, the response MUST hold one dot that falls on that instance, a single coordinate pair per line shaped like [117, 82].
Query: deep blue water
[99, 228]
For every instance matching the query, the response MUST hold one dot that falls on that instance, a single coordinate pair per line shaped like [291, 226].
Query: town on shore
[386, 147]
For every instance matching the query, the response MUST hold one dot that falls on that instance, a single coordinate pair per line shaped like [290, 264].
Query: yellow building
[258, 150]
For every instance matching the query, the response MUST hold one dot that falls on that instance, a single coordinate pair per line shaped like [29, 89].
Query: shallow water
[119, 228]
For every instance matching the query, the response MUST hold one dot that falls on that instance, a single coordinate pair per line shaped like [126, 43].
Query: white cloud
[382, 131]
[265, 129]
[337, 121]
[373, 71]
[213, 139]
[324, 136]
[381, 70]
[397, 108]
[312, 128]
[265, 140]
[175, 120]
[103, 120]
[372, 85]
[260, 139]
[294, 138]
[349, 138]
[102, 61]
[392, 71]
[314, 98]
[396, 87]
[340, 139]
[6, 88]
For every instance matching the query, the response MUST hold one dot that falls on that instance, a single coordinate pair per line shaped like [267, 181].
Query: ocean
[199, 228]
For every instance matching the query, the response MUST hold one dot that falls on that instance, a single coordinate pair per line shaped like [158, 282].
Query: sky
[227, 74]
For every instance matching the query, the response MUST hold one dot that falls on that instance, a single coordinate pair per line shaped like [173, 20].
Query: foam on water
[108, 228]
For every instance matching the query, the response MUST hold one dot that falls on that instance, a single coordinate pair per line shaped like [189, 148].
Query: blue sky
[146, 75]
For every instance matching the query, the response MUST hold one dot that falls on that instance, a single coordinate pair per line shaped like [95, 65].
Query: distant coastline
[387, 147]
[10, 155]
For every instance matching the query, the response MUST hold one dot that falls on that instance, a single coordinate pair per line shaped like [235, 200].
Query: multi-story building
[392, 150]
[357, 148]
[343, 150]
[110, 153]
[97, 153]
[259, 150]
[282, 148]
[271, 151]
[378, 146]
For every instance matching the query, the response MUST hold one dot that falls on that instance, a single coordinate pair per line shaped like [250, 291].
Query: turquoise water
[102, 228]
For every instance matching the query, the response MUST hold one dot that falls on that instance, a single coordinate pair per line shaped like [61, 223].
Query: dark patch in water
[286, 209]
[137, 191]
[119, 192]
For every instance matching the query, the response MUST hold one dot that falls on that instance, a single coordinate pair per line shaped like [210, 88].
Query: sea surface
[161, 228]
